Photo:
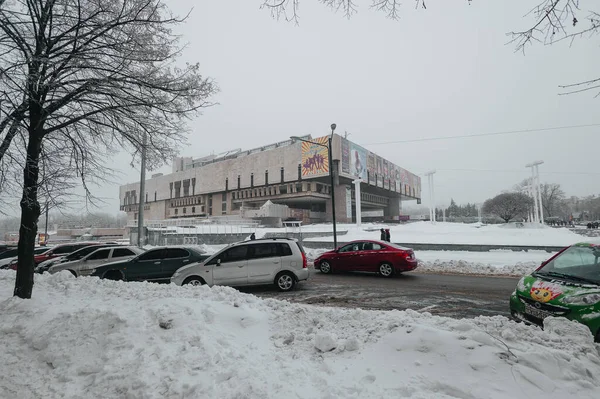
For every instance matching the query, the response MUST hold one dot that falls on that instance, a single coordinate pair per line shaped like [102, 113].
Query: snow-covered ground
[87, 338]
[461, 233]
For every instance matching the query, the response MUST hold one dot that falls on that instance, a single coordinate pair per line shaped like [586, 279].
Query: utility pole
[330, 153]
[357, 201]
[140, 242]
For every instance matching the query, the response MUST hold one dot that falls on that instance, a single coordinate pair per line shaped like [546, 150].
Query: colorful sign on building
[315, 159]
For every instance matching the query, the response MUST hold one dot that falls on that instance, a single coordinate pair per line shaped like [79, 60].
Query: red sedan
[368, 256]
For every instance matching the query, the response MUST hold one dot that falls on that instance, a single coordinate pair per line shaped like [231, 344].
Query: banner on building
[345, 156]
[358, 162]
[371, 167]
[315, 158]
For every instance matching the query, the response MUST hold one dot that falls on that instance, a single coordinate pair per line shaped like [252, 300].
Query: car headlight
[587, 299]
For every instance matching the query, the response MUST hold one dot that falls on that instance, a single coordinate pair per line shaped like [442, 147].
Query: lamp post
[537, 192]
[357, 200]
[431, 196]
[331, 177]
[140, 240]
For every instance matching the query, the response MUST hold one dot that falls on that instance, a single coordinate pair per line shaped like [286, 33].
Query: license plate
[537, 313]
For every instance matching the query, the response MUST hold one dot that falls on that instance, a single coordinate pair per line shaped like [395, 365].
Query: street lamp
[330, 160]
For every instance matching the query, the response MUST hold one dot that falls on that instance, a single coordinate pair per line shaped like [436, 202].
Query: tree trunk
[30, 212]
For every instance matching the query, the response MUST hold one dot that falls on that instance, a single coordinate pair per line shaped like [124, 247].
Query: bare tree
[553, 199]
[88, 78]
[508, 206]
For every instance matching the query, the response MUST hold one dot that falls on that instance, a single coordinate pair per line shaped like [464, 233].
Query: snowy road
[455, 296]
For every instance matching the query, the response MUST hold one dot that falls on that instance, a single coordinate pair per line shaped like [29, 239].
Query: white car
[86, 265]
[257, 262]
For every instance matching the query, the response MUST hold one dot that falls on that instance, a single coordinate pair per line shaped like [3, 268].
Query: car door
[174, 259]
[346, 259]
[370, 256]
[264, 261]
[231, 266]
[93, 260]
[147, 266]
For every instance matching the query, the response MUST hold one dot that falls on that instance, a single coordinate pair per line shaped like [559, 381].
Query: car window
[371, 246]
[10, 253]
[152, 255]
[234, 254]
[65, 249]
[99, 254]
[83, 252]
[173, 253]
[284, 249]
[120, 252]
[348, 248]
[267, 250]
[576, 256]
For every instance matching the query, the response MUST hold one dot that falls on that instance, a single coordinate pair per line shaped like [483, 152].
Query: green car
[567, 285]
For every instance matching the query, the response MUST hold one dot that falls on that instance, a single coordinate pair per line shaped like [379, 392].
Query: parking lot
[445, 295]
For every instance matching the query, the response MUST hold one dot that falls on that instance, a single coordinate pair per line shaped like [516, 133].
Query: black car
[156, 265]
[79, 254]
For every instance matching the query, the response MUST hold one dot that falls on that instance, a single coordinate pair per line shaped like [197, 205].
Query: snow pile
[466, 267]
[461, 233]
[80, 338]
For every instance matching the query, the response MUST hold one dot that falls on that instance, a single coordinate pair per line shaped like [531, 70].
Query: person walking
[387, 235]
[383, 235]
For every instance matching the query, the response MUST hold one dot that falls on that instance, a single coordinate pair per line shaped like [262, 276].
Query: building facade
[292, 172]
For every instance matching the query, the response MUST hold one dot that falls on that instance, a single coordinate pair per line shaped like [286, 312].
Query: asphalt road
[440, 294]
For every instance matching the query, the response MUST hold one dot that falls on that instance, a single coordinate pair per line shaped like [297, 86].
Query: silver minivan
[257, 262]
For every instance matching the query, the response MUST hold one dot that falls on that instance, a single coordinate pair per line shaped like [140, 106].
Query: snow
[460, 233]
[86, 337]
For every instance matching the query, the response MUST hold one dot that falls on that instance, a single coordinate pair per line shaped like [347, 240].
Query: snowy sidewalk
[86, 338]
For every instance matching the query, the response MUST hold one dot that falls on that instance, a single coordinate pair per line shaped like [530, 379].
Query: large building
[292, 172]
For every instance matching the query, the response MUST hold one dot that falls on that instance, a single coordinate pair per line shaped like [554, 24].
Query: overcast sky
[444, 71]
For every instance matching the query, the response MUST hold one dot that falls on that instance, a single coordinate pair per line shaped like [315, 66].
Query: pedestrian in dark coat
[387, 235]
[383, 235]
[252, 237]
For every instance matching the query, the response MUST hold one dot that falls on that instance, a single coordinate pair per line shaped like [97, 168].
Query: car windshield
[579, 263]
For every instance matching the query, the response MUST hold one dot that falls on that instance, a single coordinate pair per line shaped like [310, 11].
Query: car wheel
[113, 275]
[386, 270]
[285, 281]
[194, 280]
[325, 267]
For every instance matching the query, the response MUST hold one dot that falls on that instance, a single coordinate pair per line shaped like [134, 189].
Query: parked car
[78, 254]
[11, 256]
[567, 285]
[257, 262]
[157, 265]
[99, 257]
[368, 256]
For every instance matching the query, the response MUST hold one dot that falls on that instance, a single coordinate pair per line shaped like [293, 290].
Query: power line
[517, 171]
[485, 134]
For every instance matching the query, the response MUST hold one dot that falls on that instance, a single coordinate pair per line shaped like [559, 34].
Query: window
[100, 254]
[284, 249]
[239, 181]
[155, 196]
[227, 184]
[184, 211]
[176, 211]
[173, 253]
[193, 209]
[282, 175]
[299, 171]
[266, 178]
[268, 250]
[152, 255]
[252, 180]
[146, 197]
[283, 190]
[371, 246]
[121, 252]
[224, 207]
[234, 254]
[65, 249]
[368, 177]
[350, 248]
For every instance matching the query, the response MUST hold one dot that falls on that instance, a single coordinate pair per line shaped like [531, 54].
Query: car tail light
[304, 261]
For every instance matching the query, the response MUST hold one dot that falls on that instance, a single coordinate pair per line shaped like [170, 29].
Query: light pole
[537, 192]
[330, 160]
[357, 201]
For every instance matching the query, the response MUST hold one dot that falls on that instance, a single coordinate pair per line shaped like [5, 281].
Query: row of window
[187, 201]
